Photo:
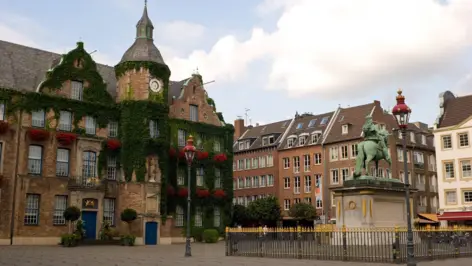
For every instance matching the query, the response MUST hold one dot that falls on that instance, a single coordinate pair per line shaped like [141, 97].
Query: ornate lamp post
[402, 112]
[189, 151]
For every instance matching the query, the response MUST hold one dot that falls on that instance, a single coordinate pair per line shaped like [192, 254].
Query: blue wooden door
[151, 233]
[90, 221]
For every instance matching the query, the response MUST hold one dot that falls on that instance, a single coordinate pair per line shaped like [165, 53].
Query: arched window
[89, 164]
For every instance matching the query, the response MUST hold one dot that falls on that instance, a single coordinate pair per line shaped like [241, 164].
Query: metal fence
[348, 244]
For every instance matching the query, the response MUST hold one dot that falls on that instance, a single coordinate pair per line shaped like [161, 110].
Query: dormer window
[241, 145]
[300, 125]
[245, 144]
[324, 121]
[271, 140]
[291, 142]
[312, 123]
[412, 137]
[301, 140]
[345, 129]
[265, 141]
[77, 90]
[315, 137]
[423, 139]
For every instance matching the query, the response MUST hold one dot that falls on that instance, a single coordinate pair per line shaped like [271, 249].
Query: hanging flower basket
[183, 192]
[203, 193]
[181, 154]
[219, 158]
[38, 134]
[65, 138]
[3, 127]
[170, 190]
[202, 155]
[219, 193]
[113, 144]
[172, 152]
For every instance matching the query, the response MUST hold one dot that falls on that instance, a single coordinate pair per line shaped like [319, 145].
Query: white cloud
[333, 47]
[180, 31]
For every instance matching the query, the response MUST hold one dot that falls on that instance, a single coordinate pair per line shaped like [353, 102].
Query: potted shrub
[65, 138]
[113, 144]
[38, 134]
[128, 216]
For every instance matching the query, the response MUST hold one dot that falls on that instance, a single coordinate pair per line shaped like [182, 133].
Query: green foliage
[70, 240]
[196, 232]
[266, 210]
[72, 214]
[210, 235]
[128, 240]
[303, 211]
[240, 215]
[128, 215]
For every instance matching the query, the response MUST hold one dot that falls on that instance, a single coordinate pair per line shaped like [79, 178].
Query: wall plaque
[89, 203]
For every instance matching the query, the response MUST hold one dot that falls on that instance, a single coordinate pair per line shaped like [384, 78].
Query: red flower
[219, 193]
[202, 155]
[170, 190]
[38, 134]
[113, 144]
[172, 152]
[3, 126]
[65, 138]
[183, 192]
[203, 193]
[219, 158]
[181, 154]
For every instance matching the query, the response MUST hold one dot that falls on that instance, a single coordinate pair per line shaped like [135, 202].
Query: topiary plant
[71, 214]
[128, 216]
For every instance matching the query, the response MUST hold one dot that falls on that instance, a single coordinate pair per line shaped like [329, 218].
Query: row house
[453, 132]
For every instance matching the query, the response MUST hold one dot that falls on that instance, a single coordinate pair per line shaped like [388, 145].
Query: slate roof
[255, 134]
[354, 117]
[307, 124]
[456, 110]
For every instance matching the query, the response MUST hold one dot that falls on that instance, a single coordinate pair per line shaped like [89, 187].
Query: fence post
[227, 242]
[396, 245]
[299, 242]
[344, 242]
[457, 244]
[430, 242]
[260, 237]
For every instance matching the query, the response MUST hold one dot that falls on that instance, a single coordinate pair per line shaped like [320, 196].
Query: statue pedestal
[368, 204]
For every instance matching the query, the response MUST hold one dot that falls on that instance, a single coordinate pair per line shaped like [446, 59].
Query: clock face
[156, 85]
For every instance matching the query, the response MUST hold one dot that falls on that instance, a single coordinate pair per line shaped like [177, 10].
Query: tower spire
[144, 27]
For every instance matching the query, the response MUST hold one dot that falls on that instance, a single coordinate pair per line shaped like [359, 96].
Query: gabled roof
[307, 124]
[255, 134]
[456, 110]
[354, 117]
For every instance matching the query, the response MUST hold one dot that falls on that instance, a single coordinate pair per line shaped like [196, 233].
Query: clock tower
[142, 73]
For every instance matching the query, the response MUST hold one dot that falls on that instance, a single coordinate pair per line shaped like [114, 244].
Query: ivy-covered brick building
[74, 132]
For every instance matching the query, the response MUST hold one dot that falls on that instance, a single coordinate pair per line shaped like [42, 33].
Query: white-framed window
[270, 180]
[216, 217]
[334, 176]
[62, 162]
[296, 164]
[179, 216]
[286, 162]
[193, 113]
[299, 125]
[315, 138]
[255, 163]
[307, 184]
[77, 90]
[306, 163]
[290, 142]
[412, 137]
[248, 182]
[216, 146]
[65, 121]
[35, 159]
[345, 129]
[344, 152]
[423, 140]
[240, 182]
[451, 197]
[217, 178]
[200, 176]
[270, 160]
[112, 129]
[248, 163]
[286, 182]
[447, 142]
[423, 201]
[265, 141]
[181, 137]
[400, 155]
[324, 121]
[109, 211]
[312, 122]
[466, 168]
[271, 140]
[286, 204]
[89, 164]
[60, 205]
[296, 185]
[297, 200]
[307, 200]
[153, 129]
[32, 209]
[301, 140]
[449, 170]
[90, 125]
[198, 217]
[333, 153]
[354, 150]
[2, 111]
[263, 181]
[345, 173]
[112, 168]
[319, 203]
[255, 181]
[468, 196]
[317, 158]
[463, 140]
[318, 180]
[38, 118]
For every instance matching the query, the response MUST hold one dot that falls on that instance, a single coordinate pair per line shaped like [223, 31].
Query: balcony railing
[86, 183]
[419, 165]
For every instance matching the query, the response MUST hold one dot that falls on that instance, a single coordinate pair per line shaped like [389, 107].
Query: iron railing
[86, 183]
[360, 244]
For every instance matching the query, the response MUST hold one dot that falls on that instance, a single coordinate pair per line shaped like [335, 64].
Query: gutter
[15, 178]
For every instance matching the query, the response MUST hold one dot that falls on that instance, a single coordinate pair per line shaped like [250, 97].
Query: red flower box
[202, 155]
[183, 192]
[3, 127]
[172, 152]
[113, 144]
[38, 134]
[170, 191]
[219, 158]
[65, 138]
[219, 193]
[181, 154]
[203, 193]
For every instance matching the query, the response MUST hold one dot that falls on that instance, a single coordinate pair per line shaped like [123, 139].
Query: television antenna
[246, 114]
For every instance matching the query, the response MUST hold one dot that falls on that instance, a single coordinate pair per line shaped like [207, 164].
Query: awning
[429, 216]
[456, 216]
[424, 221]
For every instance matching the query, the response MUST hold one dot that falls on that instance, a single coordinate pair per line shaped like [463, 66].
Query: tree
[71, 214]
[266, 210]
[128, 216]
[302, 211]
[240, 215]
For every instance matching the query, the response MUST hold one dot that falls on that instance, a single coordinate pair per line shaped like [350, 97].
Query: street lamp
[189, 151]
[402, 112]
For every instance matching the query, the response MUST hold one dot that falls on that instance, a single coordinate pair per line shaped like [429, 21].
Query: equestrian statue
[373, 148]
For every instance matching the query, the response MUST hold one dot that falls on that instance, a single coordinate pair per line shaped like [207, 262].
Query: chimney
[239, 128]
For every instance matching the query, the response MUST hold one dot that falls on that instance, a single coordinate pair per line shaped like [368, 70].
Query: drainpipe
[15, 178]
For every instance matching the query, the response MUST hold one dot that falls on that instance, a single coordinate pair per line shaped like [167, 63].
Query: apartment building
[255, 165]
[301, 161]
[454, 159]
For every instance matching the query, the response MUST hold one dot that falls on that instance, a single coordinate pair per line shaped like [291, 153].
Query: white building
[452, 136]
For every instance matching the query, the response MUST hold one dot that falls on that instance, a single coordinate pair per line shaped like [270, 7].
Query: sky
[275, 57]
